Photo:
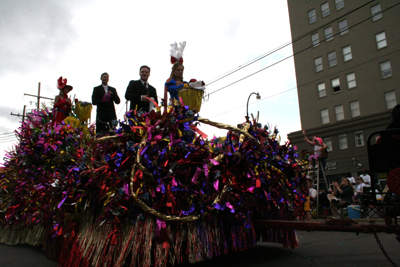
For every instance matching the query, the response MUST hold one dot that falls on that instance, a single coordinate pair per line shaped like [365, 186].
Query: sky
[41, 40]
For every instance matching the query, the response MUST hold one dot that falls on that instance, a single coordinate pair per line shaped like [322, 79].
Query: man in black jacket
[104, 97]
[138, 90]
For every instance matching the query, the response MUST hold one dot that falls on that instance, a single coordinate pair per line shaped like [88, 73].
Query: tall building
[347, 60]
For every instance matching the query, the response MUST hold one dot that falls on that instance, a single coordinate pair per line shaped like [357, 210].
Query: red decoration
[393, 181]
[174, 60]
[61, 82]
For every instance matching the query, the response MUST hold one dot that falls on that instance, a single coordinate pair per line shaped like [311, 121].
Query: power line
[8, 141]
[7, 138]
[24, 110]
[248, 63]
[262, 99]
[350, 68]
[284, 45]
[297, 52]
[7, 133]
[8, 121]
[9, 127]
[319, 79]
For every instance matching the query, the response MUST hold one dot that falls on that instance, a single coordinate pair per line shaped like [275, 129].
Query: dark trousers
[102, 127]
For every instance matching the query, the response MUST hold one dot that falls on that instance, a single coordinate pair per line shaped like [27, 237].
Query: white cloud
[33, 33]
[43, 40]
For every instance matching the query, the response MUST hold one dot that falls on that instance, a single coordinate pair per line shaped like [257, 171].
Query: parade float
[152, 192]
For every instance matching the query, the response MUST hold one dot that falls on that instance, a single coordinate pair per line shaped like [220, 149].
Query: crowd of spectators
[348, 190]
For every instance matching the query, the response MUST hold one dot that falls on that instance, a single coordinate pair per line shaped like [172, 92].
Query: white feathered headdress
[177, 52]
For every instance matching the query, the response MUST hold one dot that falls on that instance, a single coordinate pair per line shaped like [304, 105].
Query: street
[316, 249]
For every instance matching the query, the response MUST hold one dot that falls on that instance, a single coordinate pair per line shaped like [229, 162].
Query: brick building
[347, 61]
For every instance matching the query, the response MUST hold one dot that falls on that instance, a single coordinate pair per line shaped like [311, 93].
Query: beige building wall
[365, 65]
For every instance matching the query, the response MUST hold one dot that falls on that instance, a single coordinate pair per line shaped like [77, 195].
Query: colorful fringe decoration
[156, 192]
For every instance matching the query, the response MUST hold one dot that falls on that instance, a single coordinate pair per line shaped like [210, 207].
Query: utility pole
[38, 104]
[38, 97]
[18, 115]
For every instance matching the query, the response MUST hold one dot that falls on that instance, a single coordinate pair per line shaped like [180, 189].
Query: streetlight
[247, 109]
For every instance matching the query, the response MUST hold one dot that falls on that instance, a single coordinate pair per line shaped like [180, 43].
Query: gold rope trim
[143, 143]
[142, 204]
[225, 126]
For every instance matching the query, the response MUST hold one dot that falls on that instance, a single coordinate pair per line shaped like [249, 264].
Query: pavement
[24, 256]
[328, 249]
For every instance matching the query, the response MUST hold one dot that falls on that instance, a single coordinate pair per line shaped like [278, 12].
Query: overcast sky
[41, 40]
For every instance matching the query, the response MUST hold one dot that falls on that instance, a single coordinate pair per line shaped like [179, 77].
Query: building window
[355, 109]
[336, 85]
[325, 9]
[359, 138]
[321, 90]
[386, 69]
[381, 40]
[339, 113]
[325, 116]
[318, 64]
[347, 53]
[390, 98]
[343, 27]
[342, 141]
[329, 34]
[312, 17]
[351, 80]
[328, 143]
[376, 12]
[315, 39]
[332, 59]
[339, 4]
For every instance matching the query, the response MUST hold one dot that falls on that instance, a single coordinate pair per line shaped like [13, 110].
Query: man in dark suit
[137, 90]
[104, 97]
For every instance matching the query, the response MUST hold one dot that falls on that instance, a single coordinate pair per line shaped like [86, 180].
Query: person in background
[175, 81]
[104, 97]
[310, 199]
[394, 118]
[138, 91]
[341, 195]
[62, 104]
[324, 155]
[358, 189]
[351, 178]
[318, 146]
[394, 124]
[366, 178]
